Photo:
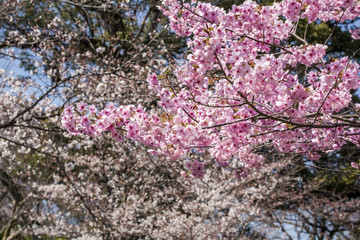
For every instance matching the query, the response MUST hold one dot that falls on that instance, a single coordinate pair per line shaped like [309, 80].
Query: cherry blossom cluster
[195, 168]
[242, 87]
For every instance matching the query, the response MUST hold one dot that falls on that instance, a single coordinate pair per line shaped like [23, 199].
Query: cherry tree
[97, 55]
[239, 88]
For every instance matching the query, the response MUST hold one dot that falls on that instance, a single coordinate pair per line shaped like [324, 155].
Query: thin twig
[333, 30]
[332, 170]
